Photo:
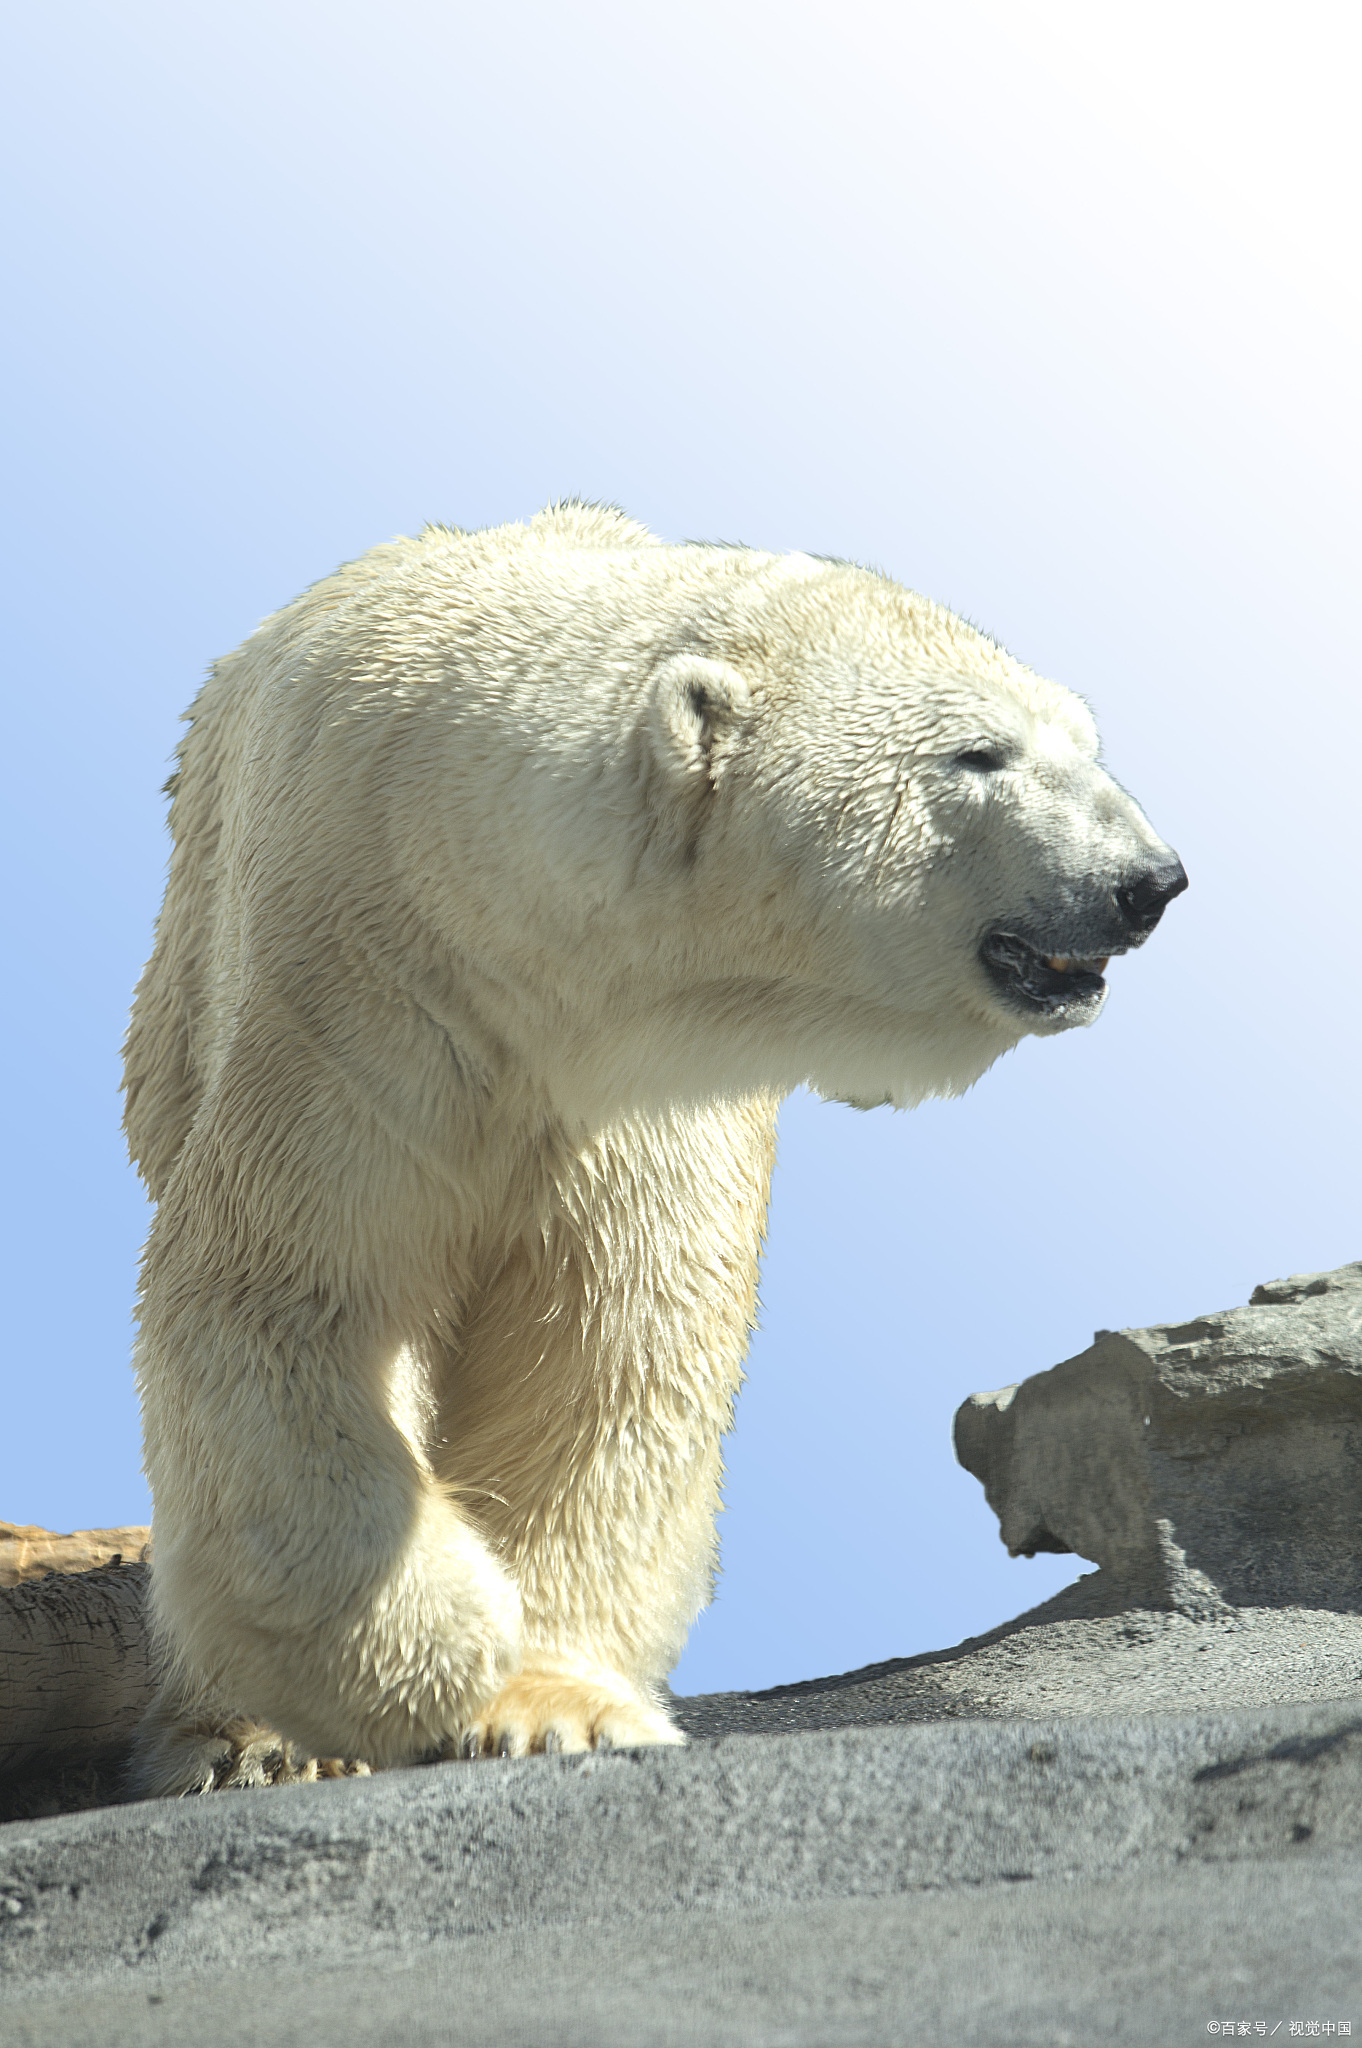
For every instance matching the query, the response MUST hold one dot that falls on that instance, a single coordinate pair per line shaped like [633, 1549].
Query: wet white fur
[517, 875]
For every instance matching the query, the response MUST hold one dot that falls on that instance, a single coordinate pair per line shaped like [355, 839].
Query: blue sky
[1051, 311]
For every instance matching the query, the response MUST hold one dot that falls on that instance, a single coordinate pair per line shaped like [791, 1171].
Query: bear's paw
[548, 1711]
[182, 1753]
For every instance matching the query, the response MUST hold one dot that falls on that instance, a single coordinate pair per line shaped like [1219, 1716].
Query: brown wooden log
[75, 1662]
[26, 1552]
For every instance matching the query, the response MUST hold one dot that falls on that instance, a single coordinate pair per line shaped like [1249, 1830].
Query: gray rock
[1050, 1880]
[1148, 1959]
[1212, 1469]
[1081, 1653]
[1207, 1465]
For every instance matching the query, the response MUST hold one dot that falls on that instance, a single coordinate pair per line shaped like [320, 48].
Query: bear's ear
[698, 711]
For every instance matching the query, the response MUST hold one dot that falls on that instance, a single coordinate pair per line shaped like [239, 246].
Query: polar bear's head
[902, 837]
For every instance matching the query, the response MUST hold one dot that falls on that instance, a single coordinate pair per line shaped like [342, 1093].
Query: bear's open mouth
[1034, 980]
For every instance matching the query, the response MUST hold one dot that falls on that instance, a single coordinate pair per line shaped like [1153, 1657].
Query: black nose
[1144, 900]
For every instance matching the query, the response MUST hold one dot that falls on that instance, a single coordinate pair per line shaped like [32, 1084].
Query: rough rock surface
[1078, 1654]
[1212, 1469]
[1203, 1465]
[1030, 1881]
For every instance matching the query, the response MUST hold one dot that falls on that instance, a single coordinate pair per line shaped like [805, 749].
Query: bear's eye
[982, 760]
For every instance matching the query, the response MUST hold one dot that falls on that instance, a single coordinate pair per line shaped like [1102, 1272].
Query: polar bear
[517, 875]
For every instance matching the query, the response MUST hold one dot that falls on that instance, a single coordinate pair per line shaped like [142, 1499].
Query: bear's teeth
[1062, 962]
[1059, 961]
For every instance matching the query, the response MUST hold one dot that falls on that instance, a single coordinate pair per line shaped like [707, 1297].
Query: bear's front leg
[309, 1572]
[583, 1410]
